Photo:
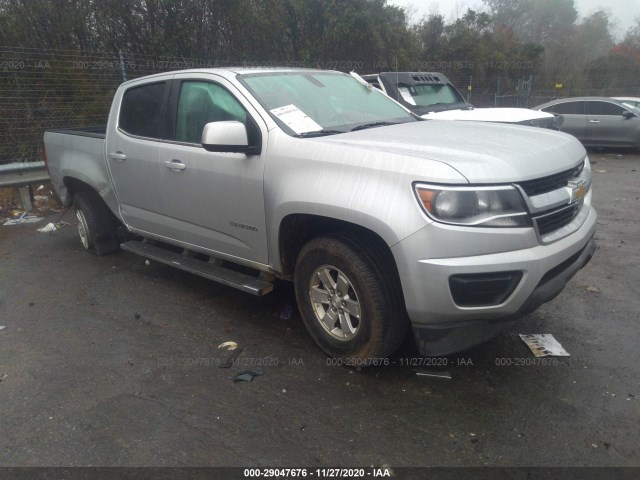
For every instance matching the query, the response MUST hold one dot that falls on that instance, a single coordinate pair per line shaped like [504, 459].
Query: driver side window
[200, 103]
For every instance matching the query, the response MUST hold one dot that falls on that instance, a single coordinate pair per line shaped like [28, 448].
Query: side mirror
[558, 120]
[227, 136]
[628, 114]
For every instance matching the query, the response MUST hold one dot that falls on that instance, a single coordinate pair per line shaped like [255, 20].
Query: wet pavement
[112, 361]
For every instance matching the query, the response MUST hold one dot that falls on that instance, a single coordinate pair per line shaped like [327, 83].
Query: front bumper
[440, 325]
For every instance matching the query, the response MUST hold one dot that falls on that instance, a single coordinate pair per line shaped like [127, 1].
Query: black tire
[97, 222]
[373, 285]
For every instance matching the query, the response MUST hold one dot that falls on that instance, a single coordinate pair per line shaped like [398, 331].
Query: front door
[215, 201]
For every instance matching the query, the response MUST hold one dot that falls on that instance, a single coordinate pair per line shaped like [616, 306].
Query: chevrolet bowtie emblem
[579, 192]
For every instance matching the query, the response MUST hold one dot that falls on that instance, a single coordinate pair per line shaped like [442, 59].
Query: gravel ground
[109, 361]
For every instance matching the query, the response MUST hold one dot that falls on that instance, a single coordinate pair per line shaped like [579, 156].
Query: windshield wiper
[317, 133]
[372, 124]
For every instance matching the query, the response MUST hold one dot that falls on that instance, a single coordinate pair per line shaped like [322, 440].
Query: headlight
[585, 174]
[500, 206]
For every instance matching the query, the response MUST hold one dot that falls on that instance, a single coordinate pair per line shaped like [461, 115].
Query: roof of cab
[232, 71]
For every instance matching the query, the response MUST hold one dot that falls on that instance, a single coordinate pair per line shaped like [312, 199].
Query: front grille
[557, 219]
[550, 183]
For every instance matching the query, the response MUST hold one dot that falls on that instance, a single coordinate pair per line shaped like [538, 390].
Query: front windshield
[306, 102]
[634, 106]
[425, 95]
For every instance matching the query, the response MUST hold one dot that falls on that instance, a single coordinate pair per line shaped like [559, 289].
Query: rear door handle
[175, 165]
[118, 156]
[594, 121]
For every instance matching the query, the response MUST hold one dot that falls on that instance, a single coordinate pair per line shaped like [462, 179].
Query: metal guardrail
[15, 175]
[21, 175]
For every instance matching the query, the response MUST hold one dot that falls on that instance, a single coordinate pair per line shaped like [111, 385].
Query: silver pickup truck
[384, 221]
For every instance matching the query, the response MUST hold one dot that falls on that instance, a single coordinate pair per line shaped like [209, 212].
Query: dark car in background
[597, 121]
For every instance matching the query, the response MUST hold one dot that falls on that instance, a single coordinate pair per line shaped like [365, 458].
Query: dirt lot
[110, 361]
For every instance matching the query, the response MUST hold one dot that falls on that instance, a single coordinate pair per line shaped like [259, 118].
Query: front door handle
[118, 156]
[594, 121]
[175, 165]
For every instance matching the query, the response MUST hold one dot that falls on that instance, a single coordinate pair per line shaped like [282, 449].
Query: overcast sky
[623, 12]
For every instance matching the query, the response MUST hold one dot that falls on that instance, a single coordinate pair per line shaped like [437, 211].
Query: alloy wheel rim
[83, 230]
[335, 302]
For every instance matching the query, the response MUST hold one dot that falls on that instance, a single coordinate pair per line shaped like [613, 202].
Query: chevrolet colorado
[385, 222]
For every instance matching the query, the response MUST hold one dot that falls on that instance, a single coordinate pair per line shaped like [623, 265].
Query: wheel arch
[297, 229]
[75, 185]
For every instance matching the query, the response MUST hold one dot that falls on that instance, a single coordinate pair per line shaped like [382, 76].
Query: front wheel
[349, 298]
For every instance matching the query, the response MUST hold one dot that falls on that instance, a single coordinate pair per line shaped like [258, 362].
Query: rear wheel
[349, 298]
[97, 226]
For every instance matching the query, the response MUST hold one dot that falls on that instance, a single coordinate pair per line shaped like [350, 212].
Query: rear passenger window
[141, 110]
[201, 103]
[567, 108]
[604, 108]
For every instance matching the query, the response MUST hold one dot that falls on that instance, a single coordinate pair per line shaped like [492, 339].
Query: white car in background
[629, 101]
[431, 95]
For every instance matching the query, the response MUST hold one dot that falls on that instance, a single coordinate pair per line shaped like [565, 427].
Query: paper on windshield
[295, 119]
[404, 91]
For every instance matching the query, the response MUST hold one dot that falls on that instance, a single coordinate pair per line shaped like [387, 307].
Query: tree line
[506, 38]
[61, 60]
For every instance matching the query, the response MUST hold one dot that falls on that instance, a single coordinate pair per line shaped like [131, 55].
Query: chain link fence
[41, 89]
[530, 90]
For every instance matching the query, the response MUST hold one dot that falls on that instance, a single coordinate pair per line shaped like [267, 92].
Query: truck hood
[502, 115]
[481, 152]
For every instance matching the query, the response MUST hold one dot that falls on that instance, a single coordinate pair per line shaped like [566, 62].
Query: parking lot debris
[600, 171]
[3, 376]
[2, 327]
[593, 289]
[49, 227]
[23, 218]
[228, 362]
[544, 345]
[433, 373]
[137, 316]
[285, 313]
[247, 375]
[228, 346]
[231, 358]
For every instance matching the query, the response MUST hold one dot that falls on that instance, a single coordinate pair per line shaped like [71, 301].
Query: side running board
[223, 275]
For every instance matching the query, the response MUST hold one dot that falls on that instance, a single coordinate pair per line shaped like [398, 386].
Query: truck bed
[79, 153]
[98, 131]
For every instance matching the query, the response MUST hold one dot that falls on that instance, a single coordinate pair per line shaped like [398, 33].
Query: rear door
[574, 118]
[608, 126]
[214, 200]
[133, 139]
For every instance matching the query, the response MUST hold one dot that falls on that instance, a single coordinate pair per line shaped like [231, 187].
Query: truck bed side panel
[81, 157]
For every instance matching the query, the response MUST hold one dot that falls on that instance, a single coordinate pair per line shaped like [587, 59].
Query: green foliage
[503, 48]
